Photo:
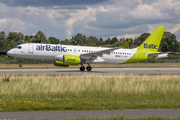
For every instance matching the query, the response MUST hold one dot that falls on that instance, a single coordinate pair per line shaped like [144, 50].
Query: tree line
[168, 43]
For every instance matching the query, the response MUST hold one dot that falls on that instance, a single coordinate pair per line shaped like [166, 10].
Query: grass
[89, 92]
[126, 118]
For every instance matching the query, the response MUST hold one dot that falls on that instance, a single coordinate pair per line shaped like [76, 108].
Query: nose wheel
[20, 65]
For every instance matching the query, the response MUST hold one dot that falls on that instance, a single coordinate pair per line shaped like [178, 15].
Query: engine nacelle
[59, 63]
[71, 60]
[66, 60]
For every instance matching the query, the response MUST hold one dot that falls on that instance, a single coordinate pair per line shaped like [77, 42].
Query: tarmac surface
[76, 71]
[90, 114]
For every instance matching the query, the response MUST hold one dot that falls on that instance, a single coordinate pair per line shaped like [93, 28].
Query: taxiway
[76, 71]
[90, 114]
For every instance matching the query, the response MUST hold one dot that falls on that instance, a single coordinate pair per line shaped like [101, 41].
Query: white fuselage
[49, 51]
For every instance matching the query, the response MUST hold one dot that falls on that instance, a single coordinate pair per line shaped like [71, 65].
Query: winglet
[125, 44]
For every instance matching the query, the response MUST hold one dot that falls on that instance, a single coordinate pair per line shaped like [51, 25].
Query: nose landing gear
[20, 62]
[20, 65]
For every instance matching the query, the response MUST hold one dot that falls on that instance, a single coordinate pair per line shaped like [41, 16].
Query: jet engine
[66, 60]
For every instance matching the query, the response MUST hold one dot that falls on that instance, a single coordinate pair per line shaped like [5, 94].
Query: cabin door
[31, 48]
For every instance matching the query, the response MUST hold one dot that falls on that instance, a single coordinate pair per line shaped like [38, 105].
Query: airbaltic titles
[51, 48]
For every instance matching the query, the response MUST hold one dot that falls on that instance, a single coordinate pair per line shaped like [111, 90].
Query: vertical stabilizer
[151, 44]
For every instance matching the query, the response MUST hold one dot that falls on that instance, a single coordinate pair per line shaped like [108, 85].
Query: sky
[100, 18]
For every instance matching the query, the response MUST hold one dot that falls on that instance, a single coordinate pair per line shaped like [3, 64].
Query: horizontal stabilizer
[159, 55]
[156, 54]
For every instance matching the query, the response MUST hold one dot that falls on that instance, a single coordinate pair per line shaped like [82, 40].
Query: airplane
[65, 55]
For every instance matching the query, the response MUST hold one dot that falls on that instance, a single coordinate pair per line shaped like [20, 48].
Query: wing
[92, 56]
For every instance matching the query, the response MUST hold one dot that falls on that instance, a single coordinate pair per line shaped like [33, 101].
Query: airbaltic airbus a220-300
[65, 55]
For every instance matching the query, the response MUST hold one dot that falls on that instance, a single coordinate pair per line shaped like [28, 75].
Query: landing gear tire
[20, 65]
[89, 68]
[82, 68]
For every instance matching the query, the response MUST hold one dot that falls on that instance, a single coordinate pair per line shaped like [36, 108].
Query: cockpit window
[19, 47]
[14, 47]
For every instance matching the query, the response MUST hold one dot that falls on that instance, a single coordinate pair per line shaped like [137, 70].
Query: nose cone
[10, 53]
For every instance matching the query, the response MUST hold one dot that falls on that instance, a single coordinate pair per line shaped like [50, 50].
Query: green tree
[108, 41]
[20, 39]
[66, 42]
[39, 38]
[114, 40]
[11, 44]
[142, 38]
[11, 36]
[28, 39]
[93, 41]
[79, 39]
[100, 42]
[2, 40]
[169, 43]
[53, 40]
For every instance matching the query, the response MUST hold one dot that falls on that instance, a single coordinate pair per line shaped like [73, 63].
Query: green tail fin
[151, 44]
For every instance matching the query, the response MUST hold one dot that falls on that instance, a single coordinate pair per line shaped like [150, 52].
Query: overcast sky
[100, 18]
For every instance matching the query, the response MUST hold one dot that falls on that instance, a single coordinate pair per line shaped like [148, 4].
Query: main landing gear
[88, 68]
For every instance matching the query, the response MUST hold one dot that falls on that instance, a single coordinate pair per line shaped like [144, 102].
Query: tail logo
[150, 46]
